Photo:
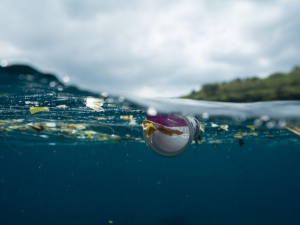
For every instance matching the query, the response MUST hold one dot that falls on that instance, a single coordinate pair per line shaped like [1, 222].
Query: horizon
[65, 80]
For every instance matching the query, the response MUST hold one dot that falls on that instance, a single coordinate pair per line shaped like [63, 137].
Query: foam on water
[288, 110]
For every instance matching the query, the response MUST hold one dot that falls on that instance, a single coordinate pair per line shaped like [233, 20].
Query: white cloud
[156, 48]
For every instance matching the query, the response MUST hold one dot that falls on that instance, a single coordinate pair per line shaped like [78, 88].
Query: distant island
[26, 78]
[278, 86]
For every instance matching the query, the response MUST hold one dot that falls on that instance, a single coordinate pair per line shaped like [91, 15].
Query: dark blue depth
[126, 183]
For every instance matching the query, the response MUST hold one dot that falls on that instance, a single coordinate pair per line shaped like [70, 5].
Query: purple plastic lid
[167, 120]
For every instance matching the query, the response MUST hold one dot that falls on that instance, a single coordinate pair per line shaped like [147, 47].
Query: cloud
[151, 48]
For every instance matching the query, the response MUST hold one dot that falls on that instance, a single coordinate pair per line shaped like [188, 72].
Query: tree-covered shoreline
[278, 86]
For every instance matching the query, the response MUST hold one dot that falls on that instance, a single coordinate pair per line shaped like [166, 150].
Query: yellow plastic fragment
[130, 117]
[38, 109]
[150, 129]
[293, 128]
[15, 127]
[238, 136]
[101, 118]
[251, 127]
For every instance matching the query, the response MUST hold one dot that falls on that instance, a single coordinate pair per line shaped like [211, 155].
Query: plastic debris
[293, 128]
[148, 128]
[38, 109]
[95, 104]
[61, 106]
[238, 136]
[130, 117]
[15, 127]
[18, 121]
[202, 127]
[223, 127]
[251, 127]
[74, 126]
[101, 118]
[214, 125]
[37, 127]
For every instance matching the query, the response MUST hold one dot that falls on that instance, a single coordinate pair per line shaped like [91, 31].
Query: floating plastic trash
[169, 135]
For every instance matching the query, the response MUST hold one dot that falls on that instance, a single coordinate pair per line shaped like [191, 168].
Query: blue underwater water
[83, 164]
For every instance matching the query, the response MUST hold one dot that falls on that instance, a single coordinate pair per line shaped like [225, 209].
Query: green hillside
[278, 86]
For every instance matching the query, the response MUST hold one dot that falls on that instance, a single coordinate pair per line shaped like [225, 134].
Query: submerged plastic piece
[169, 135]
[37, 127]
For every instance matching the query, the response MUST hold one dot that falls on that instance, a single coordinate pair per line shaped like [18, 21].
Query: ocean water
[82, 159]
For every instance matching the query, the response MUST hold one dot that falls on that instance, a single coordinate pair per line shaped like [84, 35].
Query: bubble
[109, 100]
[3, 63]
[60, 88]
[271, 124]
[121, 99]
[205, 116]
[258, 122]
[21, 76]
[281, 123]
[240, 118]
[29, 77]
[104, 94]
[52, 84]
[44, 80]
[265, 118]
[151, 111]
[66, 79]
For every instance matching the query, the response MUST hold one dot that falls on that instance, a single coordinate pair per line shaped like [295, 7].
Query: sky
[151, 48]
